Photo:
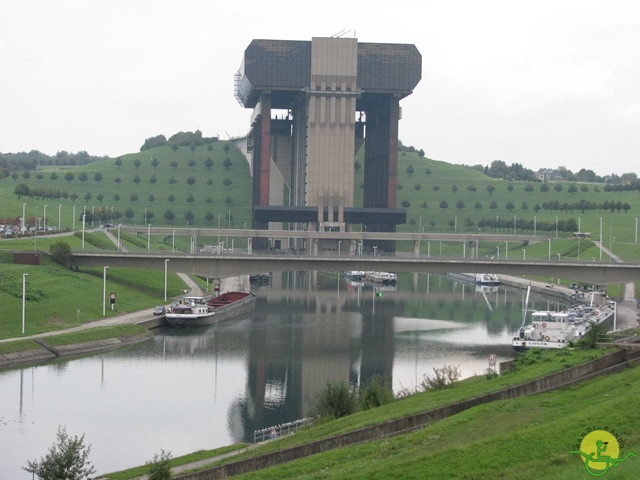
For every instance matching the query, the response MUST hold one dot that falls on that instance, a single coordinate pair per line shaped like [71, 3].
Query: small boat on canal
[195, 311]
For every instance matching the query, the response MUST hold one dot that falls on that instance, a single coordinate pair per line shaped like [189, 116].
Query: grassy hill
[441, 197]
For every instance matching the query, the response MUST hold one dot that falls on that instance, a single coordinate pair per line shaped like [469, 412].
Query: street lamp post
[579, 228]
[24, 296]
[35, 236]
[339, 243]
[636, 230]
[173, 242]
[119, 245]
[506, 250]
[104, 290]
[149, 238]
[84, 220]
[549, 249]
[556, 227]
[535, 225]
[24, 206]
[600, 238]
[166, 260]
[428, 249]
[59, 222]
[498, 254]
[44, 219]
[73, 219]
[524, 254]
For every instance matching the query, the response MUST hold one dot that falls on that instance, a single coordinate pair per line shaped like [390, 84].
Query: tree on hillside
[137, 163]
[14, 175]
[151, 198]
[427, 171]
[544, 188]
[192, 147]
[510, 188]
[116, 197]
[192, 163]
[53, 176]
[524, 206]
[584, 188]
[118, 162]
[472, 188]
[26, 175]
[227, 182]
[460, 205]
[100, 197]
[117, 180]
[87, 196]
[208, 162]
[410, 170]
[97, 177]
[188, 216]
[417, 187]
[443, 204]
[21, 190]
[73, 196]
[454, 189]
[572, 189]
[528, 188]
[169, 215]
[424, 204]
[68, 459]
[129, 213]
[69, 176]
[227, 163]
[153, 178]
[171, 198]
[133, 198]
[191, 181]
[509, 206]
[436, 188]
[172, 180]
[357, 165]
[174, 147]
[558, 187]
[490, 189]
[154, 163]
[209, 217]
[174, 164]
[493, 205]
[190, 199]
[226, 148]
[209, 181]
[405, 203]
[209, 147]
[228, 201]
[83, 177]
[477, 206]
[136, 179]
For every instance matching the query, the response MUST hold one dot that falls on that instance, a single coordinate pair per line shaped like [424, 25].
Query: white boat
[386, 278]
[355, 275]
[194, 311]
[549, 329]
[488, 279]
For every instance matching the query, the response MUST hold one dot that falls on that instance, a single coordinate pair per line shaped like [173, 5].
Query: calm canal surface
[191, 389]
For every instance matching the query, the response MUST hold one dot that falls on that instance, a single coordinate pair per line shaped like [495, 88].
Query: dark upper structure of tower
[314, 104]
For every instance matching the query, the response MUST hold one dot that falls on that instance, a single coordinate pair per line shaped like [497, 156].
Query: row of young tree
[180, 139]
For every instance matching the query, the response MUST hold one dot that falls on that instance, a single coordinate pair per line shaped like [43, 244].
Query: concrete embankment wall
[559, 293]
[608, 363]
[47, 352]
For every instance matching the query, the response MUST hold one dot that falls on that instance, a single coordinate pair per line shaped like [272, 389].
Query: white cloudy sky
[543, 83]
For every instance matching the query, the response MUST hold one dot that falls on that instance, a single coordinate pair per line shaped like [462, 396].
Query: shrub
[445, 377]
[335, 401]
[159, 467]
[377, 392]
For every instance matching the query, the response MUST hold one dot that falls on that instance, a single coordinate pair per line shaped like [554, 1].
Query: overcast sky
[544, 84]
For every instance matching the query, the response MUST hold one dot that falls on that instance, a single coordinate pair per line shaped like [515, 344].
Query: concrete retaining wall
[404, 424]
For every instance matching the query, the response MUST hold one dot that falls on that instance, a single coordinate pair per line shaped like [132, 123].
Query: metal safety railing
[271, 433]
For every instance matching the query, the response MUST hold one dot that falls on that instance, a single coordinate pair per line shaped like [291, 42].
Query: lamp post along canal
[166, 261]
[104, 290]
[24, 297]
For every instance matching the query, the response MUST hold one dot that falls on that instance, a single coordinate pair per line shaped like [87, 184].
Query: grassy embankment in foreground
[499, 440]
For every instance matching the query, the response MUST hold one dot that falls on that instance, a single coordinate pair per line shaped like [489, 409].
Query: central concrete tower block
[314, 106]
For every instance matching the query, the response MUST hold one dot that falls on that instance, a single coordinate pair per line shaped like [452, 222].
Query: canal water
[190, 389]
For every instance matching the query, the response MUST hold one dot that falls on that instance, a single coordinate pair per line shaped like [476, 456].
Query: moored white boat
[557, 329]
[386, 278]
[194, 311]
[488, 279]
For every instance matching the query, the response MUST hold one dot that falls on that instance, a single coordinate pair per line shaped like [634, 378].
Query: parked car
[159, 310]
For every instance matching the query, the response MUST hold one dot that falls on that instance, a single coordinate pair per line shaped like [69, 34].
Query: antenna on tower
[341, 33]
